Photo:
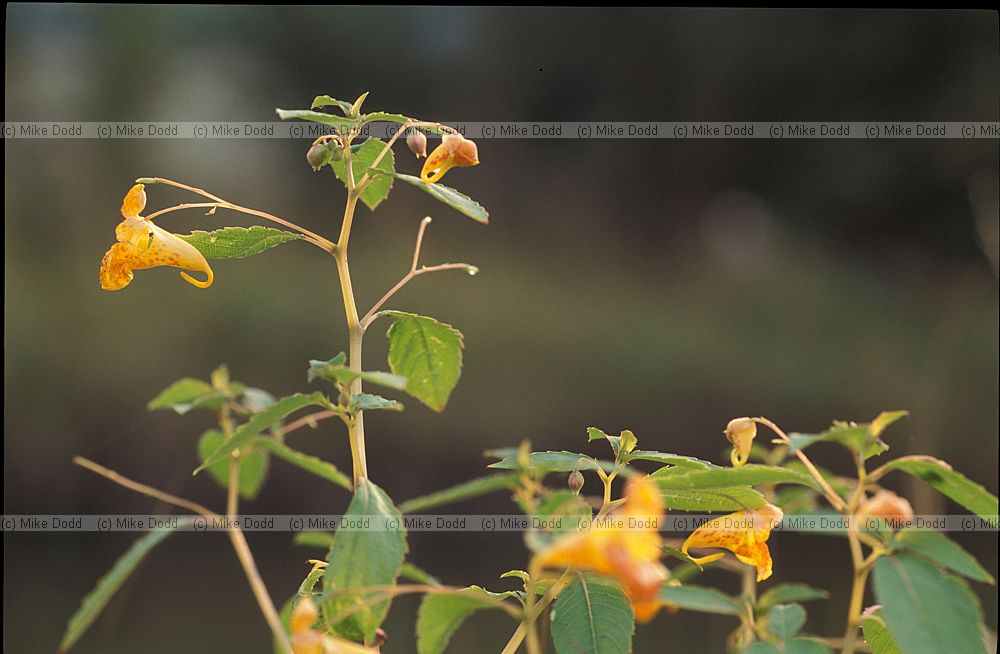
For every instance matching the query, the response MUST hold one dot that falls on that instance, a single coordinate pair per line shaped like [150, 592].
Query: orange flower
[886, 505]
[631, 554]
[141, 244]
[455, 150]
[744, 533]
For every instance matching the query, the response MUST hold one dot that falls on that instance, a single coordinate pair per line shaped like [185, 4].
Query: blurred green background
[663, 286]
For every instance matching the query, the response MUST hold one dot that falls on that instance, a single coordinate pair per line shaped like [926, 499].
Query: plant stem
[522, 630]
[355, 334]
[235, 536]
[831, 495]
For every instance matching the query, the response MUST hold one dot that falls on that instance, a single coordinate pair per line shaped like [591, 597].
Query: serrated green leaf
[336, 372]
[701, 599]
[341, 125]
[428, 354]
[863, 438]
[186, 394]
[675, 488]
[369, 402]
[237, 242]
[621, 445]
[683, 477]
[264, 420]
[361, 161]
[329, 101]
[253, 464]
[454, 199]
[785, 620]
[542, 462]
[784, 593]
[461, 492]
[676, 460]
[441, 614]
[360, 558]
[927, 611]
[307, 462]
[877, 635]
[941, 550]
[95, 601]
[592, 616]
[948, 482]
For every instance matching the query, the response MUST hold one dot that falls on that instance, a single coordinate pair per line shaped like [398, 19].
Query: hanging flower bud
[417, 142]
[322, 153]
[887, 506]
[575, 481]
[741, 432]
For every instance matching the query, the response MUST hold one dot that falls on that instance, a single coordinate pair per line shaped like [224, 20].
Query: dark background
[658, 285]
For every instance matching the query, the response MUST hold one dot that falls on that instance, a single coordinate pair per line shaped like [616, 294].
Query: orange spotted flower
[630, 555]
[455, 150]
[744, 533]
[141, 244]
[741, 432]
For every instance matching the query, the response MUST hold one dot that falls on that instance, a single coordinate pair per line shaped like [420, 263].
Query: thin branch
[311, 236]
[148, 491]
[831, 495]
[414, 272]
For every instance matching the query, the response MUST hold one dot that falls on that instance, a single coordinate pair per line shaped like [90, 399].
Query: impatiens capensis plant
[603, 558]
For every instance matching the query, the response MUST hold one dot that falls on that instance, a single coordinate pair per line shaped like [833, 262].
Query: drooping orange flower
[141, 244]
[886, 505]
[744, 533]
[630, 555]
[454, 150]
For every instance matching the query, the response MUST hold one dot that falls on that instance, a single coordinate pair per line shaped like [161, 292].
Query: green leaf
[329, 101]
[418, 575]
[621, 445]
[253, 464]
[307, 462]
[784, 593]
[863, 438]
[592, 616]
[877, 635]
[361, 558]
[95, 601]
[948, 482]
[669, 459]
[186, 394]
[428, 354]
[441, 614]
[675, 488]
[454, 199]
[237, 242]
[361, 161]
[543, 462]
[341, 125]
[464, 491]
[369, 402]
[683, 477]
[941, 550]
[785, 620]
[264, 420]
[927, 611]
[702, 599]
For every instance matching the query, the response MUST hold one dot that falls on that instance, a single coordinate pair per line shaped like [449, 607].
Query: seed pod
[575, 481]
[417, 142]
[322, 153]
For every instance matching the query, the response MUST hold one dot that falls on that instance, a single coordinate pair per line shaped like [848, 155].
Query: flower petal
[134, 202]
[744, 533]
[163, 249]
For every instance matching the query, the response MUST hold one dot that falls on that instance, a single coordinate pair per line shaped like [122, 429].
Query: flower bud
[887, 506]
[417, 142]
[741, 432]
[575, 481]
[322, 153]
[304, 615]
